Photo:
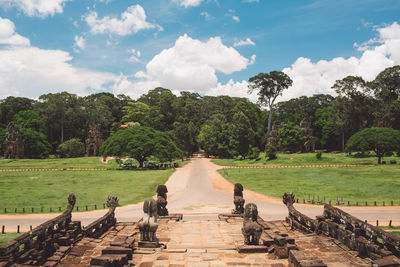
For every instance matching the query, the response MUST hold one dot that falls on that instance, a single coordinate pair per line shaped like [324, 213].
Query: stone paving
[208, 243]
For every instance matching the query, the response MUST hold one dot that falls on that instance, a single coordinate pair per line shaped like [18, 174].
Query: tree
[140, 142]
[380, 140]
[71, 148]
[11, 106]
[328, 121]
[387, 87]
[214, 137]
[290, 137]
[269, 87]
[241, 135]
[136, 112]
[32, 130]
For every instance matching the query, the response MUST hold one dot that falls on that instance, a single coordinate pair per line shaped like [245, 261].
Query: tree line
[224, 126]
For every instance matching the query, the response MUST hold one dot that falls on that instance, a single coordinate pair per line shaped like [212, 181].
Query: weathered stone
[118, 250]
[390, 261]
[252, 249]
[110, 260]
[94, 141]
[251, 229]
[312, 263]
[13, 145]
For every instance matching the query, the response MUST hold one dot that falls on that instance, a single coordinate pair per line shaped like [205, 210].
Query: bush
[318, 155]
[254, 153]
[72, 148]
[271, 152]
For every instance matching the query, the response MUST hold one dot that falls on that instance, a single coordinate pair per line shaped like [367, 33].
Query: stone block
[312, 263]
[267, 242]
[295, 257]
[251, 249]
[50, 263]
[110, 260]
[280, 252]
[117, 250]
[390, 261]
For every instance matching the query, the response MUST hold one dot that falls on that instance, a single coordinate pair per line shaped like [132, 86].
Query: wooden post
[59, 208]
[41, 209]
[374, 203]
[18, 229]
[86, 207]
[51, 209]
[104, 205]
[366, 203]
[383, 203]
[348, 203]
[391, 202]
[5, 210]
[390, 223]
[377, 223]
[15, 210]
[33, 210]
[23, 210]
[356, 203]
[30, 227]
[3, 229]
[95, 206]
[77, 208]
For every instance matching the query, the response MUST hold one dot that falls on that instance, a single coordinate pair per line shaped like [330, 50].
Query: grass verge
[7, 237]
[51, 188]
[365, 183]
[304, 159]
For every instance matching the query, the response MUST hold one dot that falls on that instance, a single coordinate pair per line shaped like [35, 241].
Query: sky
[211, 47]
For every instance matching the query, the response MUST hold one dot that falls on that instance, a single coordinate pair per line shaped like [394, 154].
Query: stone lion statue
[288, 199]
[238, 199]
[162, 200]
[148, 226]
[251, 229]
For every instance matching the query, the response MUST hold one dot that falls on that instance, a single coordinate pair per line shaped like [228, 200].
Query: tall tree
[11, 105]
[269, 87]
[387, 87]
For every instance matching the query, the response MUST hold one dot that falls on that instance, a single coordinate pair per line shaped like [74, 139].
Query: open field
[7, 237]
[364, 183]
[51, 188]
[305, 159]
[56, 163]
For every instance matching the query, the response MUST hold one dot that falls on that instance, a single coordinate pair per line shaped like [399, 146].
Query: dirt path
[197, 189]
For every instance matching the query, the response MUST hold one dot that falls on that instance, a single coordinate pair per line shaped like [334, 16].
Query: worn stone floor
[207, 243]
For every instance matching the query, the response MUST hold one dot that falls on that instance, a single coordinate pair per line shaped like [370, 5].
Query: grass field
[57, 163]
[7, 237]
[304, 159]
[51, 188]
[365, 183]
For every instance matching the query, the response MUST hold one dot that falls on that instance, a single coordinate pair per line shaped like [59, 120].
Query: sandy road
[198, 191]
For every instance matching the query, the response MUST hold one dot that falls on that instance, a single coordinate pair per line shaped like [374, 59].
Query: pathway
[199, 192]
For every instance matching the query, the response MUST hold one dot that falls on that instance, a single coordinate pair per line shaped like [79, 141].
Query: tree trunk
[389, 113]
[379, 159]
[342, 140]
[269, 125]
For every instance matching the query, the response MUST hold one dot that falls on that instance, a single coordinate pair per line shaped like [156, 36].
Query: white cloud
[132, 20]
[135, 55]
[36, 8]
[80, 42]
[236, 18]
[31, 71]
[378, 53]
[248, 41]
[8, 36]
[192, 65]
[188, 3]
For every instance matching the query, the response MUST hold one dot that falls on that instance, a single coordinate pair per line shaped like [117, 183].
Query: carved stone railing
[100, 226]
[368, 240]
[297, 219]
[42, 239]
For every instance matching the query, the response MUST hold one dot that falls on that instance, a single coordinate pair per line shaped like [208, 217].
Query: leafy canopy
[380, 140]
[141, 142]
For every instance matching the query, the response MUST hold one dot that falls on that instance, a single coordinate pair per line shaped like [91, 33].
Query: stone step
[110, 260]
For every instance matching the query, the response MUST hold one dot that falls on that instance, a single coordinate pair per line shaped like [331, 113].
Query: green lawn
[58, 163]
[7, 237]
[51, 188]
[305, 159]
[365, 183]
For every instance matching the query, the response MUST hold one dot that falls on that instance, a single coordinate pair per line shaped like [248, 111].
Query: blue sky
[209, 46]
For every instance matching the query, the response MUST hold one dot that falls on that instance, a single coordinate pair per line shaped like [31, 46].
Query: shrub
[318, 155]
[72, 148]
[254, 153]
[271, 152]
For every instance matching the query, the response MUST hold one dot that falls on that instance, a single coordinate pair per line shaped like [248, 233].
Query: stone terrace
[196, 242]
